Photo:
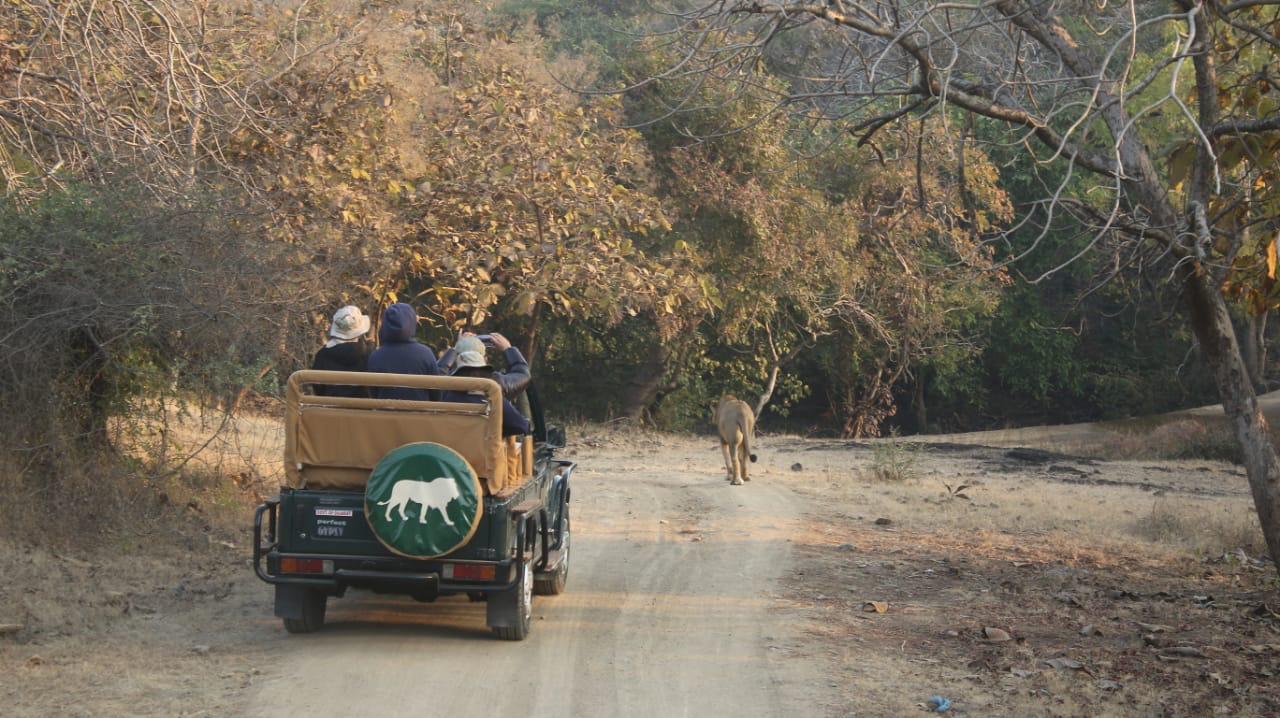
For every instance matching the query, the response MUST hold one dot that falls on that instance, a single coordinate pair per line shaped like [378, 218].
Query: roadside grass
[75, 498]
[1186, 439]
[894, 460]
[192, 471]
[1207, 529]
[1167, 510]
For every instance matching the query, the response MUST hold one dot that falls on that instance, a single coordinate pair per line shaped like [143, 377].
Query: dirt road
[1121, 587]
[672, 610]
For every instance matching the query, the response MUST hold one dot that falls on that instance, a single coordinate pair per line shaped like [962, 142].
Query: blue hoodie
[401, 353]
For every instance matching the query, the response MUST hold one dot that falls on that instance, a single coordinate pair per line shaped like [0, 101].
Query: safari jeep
[420, 498]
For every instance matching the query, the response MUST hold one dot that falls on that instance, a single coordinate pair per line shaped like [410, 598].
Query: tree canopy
[861, 216]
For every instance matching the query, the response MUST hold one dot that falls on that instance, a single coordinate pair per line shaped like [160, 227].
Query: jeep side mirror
[555, 437]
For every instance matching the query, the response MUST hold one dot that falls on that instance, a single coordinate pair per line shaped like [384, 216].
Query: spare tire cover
[423, 500]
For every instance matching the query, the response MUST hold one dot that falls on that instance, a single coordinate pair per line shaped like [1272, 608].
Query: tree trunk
[1251, 348]
[93, 417]
[768, 388]
[1258, 350]
[918, 406]
[531, 338]
[642, 388]
[779, 361]
[1212, 325]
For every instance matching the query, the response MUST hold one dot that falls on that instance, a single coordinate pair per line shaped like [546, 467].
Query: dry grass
[1186, 439]
[191, 466]
[1207, 528]
[1041, 551]
[87, 493]
[1083, 505]
[894, 460]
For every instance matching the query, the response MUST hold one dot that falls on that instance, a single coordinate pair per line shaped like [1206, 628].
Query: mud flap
[290, 600]
[502, 610]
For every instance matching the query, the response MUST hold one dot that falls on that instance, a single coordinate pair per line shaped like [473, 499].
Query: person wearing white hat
[346, 350]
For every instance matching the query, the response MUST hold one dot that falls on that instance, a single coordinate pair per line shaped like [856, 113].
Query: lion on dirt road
[736, 423]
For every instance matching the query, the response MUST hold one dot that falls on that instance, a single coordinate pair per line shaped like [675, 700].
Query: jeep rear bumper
[422, 579]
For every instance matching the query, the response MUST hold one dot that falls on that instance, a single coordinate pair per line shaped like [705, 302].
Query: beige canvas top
[334, 442]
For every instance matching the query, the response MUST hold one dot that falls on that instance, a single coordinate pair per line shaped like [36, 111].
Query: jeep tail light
[305, 565]
[470, 571]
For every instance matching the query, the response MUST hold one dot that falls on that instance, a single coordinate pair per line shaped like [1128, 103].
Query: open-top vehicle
[421, 498]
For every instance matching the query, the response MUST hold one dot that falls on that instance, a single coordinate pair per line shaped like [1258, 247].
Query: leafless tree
[1087, 87]
[182, 88]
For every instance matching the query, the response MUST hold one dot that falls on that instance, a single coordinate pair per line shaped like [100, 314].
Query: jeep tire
[311, 619]
[513, 608]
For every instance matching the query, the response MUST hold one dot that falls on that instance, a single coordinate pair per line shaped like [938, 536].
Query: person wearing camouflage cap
[513, 379]
[468, 358]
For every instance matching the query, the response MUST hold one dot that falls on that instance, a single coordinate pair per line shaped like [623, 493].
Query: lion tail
[746, 440]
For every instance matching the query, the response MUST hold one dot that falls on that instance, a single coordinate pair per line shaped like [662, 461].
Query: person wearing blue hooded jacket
[400, 353]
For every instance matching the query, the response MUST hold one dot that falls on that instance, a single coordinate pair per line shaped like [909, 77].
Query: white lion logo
[431, 494]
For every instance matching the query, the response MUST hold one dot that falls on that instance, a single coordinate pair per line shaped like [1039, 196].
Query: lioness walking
[736, 423]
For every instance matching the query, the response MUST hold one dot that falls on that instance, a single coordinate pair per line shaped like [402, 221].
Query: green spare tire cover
[423, 500]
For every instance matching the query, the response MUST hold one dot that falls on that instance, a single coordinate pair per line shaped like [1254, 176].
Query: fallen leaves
[875, 606]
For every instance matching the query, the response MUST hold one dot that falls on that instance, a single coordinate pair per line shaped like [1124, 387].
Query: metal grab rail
[437, 382]
[271, 506]
[567, 474]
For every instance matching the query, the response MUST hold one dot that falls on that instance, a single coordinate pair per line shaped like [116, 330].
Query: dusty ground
[1117, 567]
[691, 597]
[1081, 438]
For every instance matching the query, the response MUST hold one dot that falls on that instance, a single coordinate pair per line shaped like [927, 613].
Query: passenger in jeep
[513, 380]
[400, 353]
[468, 359]
[346, 350]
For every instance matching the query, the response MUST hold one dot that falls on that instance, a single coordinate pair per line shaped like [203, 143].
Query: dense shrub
[111, 301]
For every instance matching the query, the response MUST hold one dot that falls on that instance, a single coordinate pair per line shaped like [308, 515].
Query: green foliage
[113, 303]
[1030, 354]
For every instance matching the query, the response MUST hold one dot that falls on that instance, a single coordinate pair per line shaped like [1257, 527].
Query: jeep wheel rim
[564, 559]
[526, 594]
